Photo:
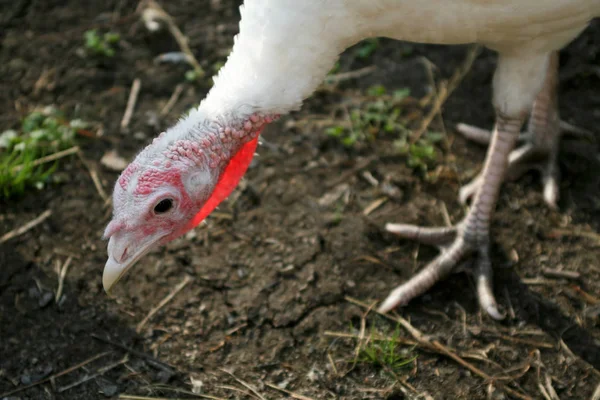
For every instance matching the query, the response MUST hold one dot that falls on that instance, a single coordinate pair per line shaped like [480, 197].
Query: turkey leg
[469, 236]
[540, 150]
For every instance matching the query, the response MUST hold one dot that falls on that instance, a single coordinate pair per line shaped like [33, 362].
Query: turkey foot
[539, 150]
[470, 236]
[455, 244]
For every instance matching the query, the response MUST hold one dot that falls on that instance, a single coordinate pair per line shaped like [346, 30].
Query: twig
[163, 302]
[374, 205]
[446, 90]
[570, 353]
[588, 298]
[155, 12]
[61, 278]
[172, 100]
[538, 281]
[360, 342]
[332, 362]
[49, 158]
[94, 175]
[575, 130]
[533, 343]
[134, 397]
[556, 273]
[596, 394]
[576, 233]
[133, 95]
[289, 393]
[64, 372]
[176, 390]
[28, 226]
[99, 372]
[235, 329]
[66, 253]
[439, 348]
[547, 392]
[151, 360]
[445, 214]
[235, 389]
[344, 76]
[549, 388]
[245, 384]
[360, 165]
[511, 310]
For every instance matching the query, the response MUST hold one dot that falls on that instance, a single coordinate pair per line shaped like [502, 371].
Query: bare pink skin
[192, 170]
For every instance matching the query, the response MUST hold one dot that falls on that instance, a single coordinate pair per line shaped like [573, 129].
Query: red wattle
[228, 181]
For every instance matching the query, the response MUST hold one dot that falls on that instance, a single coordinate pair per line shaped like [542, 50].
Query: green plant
[193, 75]
[367, 47]
[41, 134]
[422, 153]
[335, 69]
[379, 113]
[101, 45]
[382, 113]
[386, 352]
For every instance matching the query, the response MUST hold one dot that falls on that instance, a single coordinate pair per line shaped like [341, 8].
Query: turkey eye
[163, 206]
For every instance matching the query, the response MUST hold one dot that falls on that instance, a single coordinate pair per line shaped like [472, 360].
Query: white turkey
[282, 53]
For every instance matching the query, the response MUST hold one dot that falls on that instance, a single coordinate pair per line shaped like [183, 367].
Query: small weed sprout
[194, 75]
[335, 69]
[421, 154]
[101, 45]
[386, 353]
[41, 133]
[366, 48]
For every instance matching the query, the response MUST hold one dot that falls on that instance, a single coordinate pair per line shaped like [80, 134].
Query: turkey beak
[123, 252]
[113, 271]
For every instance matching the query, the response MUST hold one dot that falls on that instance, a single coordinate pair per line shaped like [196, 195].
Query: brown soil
[271, 270]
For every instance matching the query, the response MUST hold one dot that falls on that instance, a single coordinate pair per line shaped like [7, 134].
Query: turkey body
[282, 53]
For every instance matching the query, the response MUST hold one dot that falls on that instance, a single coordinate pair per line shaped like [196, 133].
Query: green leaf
[367, 48]
[349, 141]
[400, 94]
[376, 90]
[335, 131]
[33, 121]
[434, 137]
[111, 37]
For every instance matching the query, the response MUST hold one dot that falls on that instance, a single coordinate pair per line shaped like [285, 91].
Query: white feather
[283, 51]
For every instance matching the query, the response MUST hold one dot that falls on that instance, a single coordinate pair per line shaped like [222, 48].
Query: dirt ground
[271, 273]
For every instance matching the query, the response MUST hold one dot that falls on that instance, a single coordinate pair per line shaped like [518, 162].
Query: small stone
[26, 379]
[152, 119]
[333, 195]
[112, 161]
[164, 376]
[107, 388]
[139, 135]
[314, 374]
[197, 385]
[45, 299]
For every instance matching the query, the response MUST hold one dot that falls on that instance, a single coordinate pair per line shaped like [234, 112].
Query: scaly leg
[518, 79]
[469, 236]
[542, 139]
